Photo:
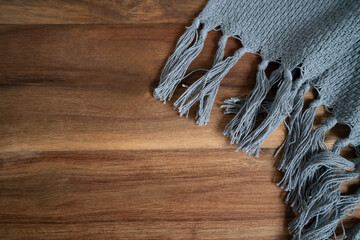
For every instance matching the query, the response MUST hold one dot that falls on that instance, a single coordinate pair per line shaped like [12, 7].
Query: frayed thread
[233, 105]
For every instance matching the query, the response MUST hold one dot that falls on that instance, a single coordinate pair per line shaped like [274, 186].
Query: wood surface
[86, 152]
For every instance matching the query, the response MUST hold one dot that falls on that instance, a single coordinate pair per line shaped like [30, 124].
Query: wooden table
[86, 152]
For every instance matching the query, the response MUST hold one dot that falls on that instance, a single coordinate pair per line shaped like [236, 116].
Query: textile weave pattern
[317, 44]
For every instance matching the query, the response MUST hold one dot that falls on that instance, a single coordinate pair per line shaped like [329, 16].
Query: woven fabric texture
[317, 45]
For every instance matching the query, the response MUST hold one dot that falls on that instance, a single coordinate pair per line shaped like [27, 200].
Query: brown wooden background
[87, 153]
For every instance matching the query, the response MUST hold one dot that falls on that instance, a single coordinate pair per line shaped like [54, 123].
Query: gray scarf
[317, 43]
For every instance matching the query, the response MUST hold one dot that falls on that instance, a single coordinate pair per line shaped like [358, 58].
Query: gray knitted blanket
[317, 44]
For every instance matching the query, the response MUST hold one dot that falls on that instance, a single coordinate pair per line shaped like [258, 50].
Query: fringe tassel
[340, 143]
[327, 221]
[318, 144]
[210, 98]
[220, 52]
[320, 186]
[233, 105]
[318, 166]
[313, 175]
[293, 127]
[187, 49]
[304, 139]
[329, 192]
[205, 89]
[315, 144]
[244, 121]
[280, 109]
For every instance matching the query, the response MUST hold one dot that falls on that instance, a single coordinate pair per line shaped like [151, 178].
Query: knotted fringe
[244, 121]
[203, 114]
[219, 70]
[312, 174]
[279, 110]
[187, 49]
[341, 143]
[204, 89]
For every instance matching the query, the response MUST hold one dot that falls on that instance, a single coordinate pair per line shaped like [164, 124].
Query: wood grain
[87, 153]
[99, 12]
